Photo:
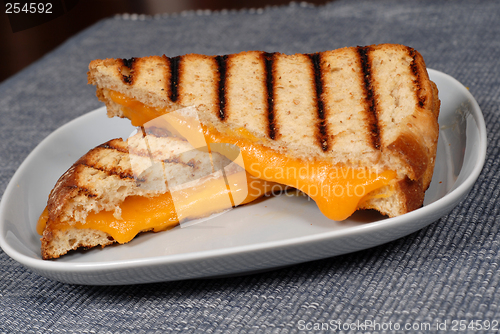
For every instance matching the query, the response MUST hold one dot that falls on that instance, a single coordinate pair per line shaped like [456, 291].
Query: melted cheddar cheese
[337, 190]
[139, 213]
[137, 112]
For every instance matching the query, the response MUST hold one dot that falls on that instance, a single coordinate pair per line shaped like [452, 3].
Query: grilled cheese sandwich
[151, 182]
[368, 111]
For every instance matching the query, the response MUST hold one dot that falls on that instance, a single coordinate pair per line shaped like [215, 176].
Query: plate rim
[77, 267]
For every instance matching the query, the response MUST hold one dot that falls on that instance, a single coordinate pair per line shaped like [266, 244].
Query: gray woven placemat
[445, 272]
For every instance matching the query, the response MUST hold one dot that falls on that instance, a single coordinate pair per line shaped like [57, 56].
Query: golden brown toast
[358, 107]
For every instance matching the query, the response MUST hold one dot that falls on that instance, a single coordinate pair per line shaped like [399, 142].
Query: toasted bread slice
[349, 110]
[150, 182]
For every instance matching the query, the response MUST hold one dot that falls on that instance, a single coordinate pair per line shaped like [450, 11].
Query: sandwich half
[353, 128]
[153, 181]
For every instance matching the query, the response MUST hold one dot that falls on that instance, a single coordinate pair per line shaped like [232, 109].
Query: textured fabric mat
[442, 274]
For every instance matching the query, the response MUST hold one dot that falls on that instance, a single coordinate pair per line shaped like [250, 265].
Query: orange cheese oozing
[137, 112]
[159, 213]
[337, 190]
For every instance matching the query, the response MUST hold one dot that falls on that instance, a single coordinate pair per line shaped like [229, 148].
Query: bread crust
[56, 243]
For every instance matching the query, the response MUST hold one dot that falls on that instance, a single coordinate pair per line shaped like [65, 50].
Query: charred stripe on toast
[222, 67]
[418, 79]
[320, 105]
[371, 106]
[127, 70]
[269, 75]
[174, 77]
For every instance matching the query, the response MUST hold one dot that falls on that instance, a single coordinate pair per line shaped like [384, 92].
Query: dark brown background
[19, 49]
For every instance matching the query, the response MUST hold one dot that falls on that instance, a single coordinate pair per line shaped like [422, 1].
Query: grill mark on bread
[160, 132]
[174, 77]
[86, 191]
[269, 75]
[322, 128]
[129, 62]
[111, 171]
[222, 69]
[109, 145]
[128, 72]
[88, 161]
[371, 106]
[418, 79]
[71, 184]
[129, 175]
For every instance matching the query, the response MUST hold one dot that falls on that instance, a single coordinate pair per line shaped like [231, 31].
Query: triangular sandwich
[354, 128]
[151, 182]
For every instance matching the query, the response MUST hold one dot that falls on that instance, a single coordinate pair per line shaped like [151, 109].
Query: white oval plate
[274, 232]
